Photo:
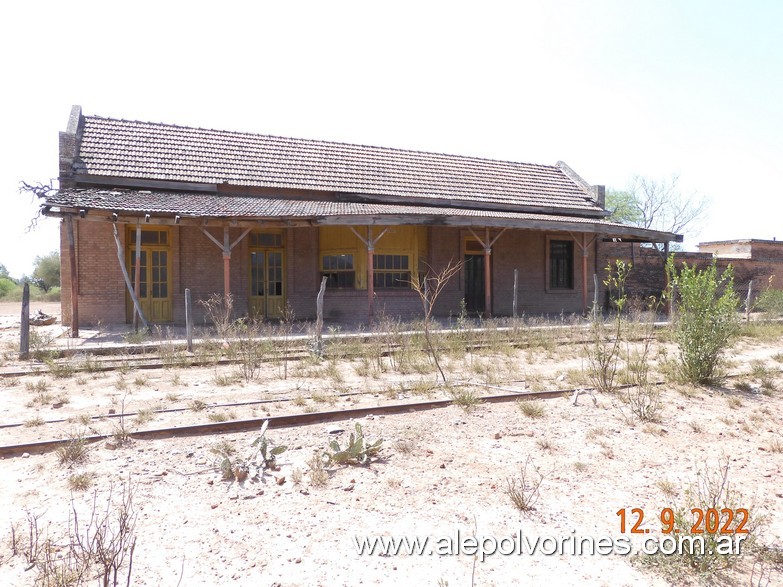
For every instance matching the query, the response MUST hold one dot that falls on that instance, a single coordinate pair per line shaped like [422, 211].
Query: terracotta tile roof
[120, 148]
[204, 205]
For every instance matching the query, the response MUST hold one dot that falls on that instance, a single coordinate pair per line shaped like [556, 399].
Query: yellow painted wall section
[397, 240]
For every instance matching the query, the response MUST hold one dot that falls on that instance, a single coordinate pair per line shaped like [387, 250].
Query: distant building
[760, 261]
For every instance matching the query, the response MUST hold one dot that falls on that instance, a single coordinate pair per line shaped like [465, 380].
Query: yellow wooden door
[154, 278]
[267, 283]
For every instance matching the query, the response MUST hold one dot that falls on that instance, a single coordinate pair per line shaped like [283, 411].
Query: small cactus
[357, 450]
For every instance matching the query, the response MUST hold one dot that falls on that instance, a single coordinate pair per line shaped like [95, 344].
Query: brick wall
[763, 265]
[99, 277]
[197, 263]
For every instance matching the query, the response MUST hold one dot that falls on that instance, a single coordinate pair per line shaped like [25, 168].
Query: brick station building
[266, 218]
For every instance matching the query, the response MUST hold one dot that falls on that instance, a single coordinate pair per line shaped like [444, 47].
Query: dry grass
[74, 451]
[80, 481]
[531, 408]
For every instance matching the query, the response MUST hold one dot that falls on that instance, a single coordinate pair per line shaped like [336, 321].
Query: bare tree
[658, 205]
[429, 288]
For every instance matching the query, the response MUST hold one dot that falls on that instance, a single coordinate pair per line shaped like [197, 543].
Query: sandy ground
[440, 471]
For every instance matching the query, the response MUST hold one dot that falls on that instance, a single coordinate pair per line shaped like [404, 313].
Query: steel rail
[285, 421]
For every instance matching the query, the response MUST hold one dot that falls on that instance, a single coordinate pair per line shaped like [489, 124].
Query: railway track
[149, 356]
[283, 421]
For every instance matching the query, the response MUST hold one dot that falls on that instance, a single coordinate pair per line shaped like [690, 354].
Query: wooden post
[226, 263]
[74, 277]
[128, 284]
[226, 246]
[370, 276]
[319, 318]
[668, 286]
[370, 242]
[487, 276]
[24, 335]
[514, 303]
[595, 295]
[137, 274]
[747, 301]
[487, 244]
[585, 254]
[189, 319]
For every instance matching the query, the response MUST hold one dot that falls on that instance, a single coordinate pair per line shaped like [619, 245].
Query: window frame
[398, 241]
[386, 271]
[551, 286]
[337, 271]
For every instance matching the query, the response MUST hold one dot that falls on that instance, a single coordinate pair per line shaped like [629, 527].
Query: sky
[613, 88]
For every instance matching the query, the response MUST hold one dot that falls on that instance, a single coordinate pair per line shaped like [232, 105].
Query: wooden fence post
[24, 338]
[747, 301]
[74, 276]
[319, 320]
[514, 303]
[188, 319]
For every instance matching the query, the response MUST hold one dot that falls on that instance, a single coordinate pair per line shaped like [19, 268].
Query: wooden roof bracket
[370, 243]
[585, 246]
[226, 246]
[487, 244]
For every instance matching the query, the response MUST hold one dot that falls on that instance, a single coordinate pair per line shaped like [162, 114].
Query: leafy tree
[657, 205]
[46, 273]
[6, 286]
[4, 272]
[706, 318]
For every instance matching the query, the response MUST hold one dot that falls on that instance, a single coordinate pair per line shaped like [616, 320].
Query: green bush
[11, 291]
[53, 295]
[7, 285]
[771, 301]
[706, 318]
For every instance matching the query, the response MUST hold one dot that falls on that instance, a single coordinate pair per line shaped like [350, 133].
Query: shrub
[531, 409]
[603, 352]
[771, 302]
[524, 490]
[464, 397]
[640, 403]
[712, 490]
[6, 286]
[74, 451]
[706, 318]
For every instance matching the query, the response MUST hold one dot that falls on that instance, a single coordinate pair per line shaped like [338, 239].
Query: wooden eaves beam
[476, 222]
[158, 219]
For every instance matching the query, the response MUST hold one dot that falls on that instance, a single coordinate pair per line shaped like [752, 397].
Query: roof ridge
[327, 142]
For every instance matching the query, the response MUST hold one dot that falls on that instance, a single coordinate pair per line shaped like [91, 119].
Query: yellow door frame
[155, 308]
[267, 306]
